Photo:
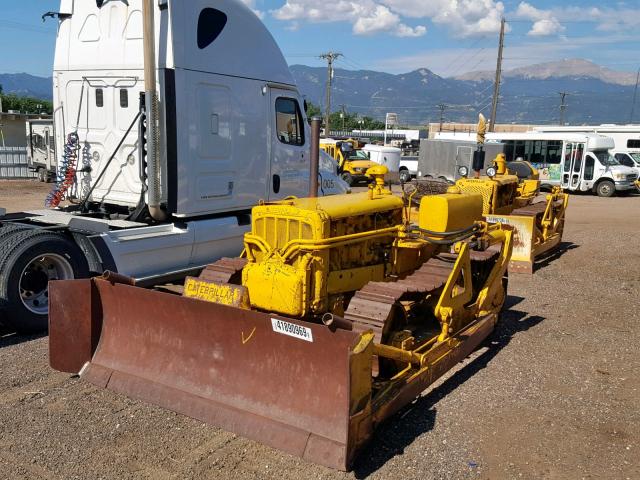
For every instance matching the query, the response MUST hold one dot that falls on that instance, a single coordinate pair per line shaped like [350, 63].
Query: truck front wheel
[606, 188]
[28, 261]
[346, 176]
[405, 176]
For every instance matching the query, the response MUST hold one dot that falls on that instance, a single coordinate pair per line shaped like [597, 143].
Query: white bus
[626, 139]
[575, 161]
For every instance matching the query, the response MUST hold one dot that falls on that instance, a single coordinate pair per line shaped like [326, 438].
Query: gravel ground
[18, 195]
[553, 394]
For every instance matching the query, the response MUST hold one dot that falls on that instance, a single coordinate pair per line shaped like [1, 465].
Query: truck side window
[589, 163]
[633, 143]
[124, 98]
[289, 126]
[99, 98]
[624, 160]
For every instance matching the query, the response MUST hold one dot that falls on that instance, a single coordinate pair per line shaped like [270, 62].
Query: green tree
[26, 104]
[313, 110]
[352, 121]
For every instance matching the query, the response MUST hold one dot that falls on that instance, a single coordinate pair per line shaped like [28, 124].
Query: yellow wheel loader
[509, 193]
[338, 314]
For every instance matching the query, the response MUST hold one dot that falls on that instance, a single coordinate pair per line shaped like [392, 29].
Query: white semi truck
[172, 120]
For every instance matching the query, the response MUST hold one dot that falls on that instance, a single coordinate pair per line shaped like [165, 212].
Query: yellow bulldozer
[337, 315]
[509, 193]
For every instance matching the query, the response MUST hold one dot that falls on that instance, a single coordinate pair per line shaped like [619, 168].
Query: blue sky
[449, 37]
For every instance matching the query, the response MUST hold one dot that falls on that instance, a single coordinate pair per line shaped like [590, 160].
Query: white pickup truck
[408, 168]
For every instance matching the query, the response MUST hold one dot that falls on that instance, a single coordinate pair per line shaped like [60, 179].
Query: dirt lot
[18, 195]
[554, 394]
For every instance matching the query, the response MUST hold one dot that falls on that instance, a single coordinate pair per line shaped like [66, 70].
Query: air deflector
[211, 22]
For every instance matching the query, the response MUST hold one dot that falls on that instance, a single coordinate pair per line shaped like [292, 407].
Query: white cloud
[380, 20]
[465, 18]
[406, 31]
[545, 27]
[252, 5]
[384, 20]
[544, 21]
[608, 19]
[366, 16]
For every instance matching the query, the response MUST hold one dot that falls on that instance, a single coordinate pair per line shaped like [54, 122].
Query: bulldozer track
[535, 209]
[225, 270]
[426, 186]
[371, 308]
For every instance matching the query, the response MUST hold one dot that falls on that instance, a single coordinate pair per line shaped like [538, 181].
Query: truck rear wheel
[606, 188]
[28, 261]
[7, 229]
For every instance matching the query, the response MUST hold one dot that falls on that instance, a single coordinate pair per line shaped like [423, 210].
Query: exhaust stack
[151, 101]
[315, 156]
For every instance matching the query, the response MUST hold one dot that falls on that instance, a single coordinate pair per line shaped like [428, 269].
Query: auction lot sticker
[291, 329]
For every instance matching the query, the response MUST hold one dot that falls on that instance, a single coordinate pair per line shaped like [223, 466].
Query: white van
[626, 139]
[628, 159]
[387, 156]
[575, 161]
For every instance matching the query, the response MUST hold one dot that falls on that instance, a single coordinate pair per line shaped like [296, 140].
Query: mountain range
[26, 85]
[528, 94]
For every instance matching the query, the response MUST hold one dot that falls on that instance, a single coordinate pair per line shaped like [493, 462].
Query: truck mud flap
[280, 381]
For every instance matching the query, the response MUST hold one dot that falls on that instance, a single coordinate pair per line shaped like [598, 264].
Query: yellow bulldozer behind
[510, 197]
[338, 314]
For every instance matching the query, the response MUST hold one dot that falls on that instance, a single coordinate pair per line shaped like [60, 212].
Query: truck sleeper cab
[232, 132]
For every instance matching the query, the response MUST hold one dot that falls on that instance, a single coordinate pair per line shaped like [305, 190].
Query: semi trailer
[442, 159]
[172, 121]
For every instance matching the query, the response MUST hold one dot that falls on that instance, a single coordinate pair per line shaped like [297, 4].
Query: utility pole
[330, 57]
[635, 92]
[496, 86]
[563, 106]
[442, 108]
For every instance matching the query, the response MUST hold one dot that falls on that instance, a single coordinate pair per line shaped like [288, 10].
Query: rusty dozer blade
[538, 230]
[301, 387]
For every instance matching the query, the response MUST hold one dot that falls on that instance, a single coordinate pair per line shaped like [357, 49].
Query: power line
[442, 107]
[563, 106]
[462, 54]
[330, 57]
[496, 90]
[635, 92]
[25, 26]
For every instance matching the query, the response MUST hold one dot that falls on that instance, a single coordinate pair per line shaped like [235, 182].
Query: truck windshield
[606, 159]
[636, 158]
[357, 155]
